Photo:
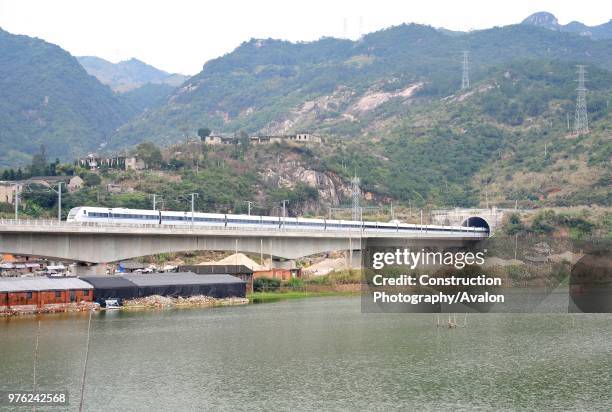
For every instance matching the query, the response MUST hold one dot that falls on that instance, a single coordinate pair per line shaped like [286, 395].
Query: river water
[314, 354]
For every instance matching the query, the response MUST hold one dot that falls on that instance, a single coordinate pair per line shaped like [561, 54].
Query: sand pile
[325, 266]
[238, 259]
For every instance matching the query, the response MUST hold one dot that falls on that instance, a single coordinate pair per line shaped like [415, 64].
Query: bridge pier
[278, 263]
[95, 269]
[353, 259]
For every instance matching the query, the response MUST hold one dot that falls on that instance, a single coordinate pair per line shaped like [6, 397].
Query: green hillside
[46, 97]
[549, 21]
[391, 110]
[148, 96]
[266, 84]
[489, 142]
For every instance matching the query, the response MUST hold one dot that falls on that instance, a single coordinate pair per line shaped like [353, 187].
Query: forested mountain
[333, 85]
[505, 139]
[392, 110]
[549, 21]
[148, 96]
[46, 97]
[129, 74]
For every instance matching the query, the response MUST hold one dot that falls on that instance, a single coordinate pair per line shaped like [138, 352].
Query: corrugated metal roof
[41, 283]
[109, 282]
[180, 278]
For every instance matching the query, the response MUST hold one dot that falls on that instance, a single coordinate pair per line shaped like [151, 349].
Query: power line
[465, 79]
[249, 203]
[17, 193]
[155, 196]
[356, 193]
[285, 201]
[581, 121]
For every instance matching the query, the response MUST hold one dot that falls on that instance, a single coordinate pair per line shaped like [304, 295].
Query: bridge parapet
[54, 226]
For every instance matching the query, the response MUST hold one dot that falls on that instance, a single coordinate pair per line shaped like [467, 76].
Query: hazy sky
[180, 35]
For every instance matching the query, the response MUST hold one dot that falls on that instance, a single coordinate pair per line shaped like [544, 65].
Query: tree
[65, 169]
[91, 179]
[203, 132]
[544, 222]
[241, 144]
[149, 153]
[244, 140]
[53, 167]
[39, 165]
[514, 225]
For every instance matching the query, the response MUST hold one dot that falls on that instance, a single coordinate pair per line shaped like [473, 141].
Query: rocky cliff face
[549, 21]
[331, 187]
[542, 19]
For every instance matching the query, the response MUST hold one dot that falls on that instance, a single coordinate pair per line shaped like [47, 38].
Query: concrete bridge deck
[110, 242]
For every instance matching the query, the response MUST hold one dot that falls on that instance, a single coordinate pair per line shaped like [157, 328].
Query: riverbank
[51, 308]
[159, 302]
[308, 291]
[149, 302]
[261, 297]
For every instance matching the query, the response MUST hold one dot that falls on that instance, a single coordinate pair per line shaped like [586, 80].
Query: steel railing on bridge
[424, 229]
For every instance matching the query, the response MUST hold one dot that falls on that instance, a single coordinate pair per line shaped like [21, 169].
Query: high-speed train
[158, 217]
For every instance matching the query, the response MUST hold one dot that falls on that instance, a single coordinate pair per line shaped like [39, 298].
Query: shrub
[543, 222]
[345, 277]
[319, 280]
[518, 273]
[295, 283]
[91, 179]
[266, 284]
[514, 225]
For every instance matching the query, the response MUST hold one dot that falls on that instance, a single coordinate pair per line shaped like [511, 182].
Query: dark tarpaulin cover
[187, 284]
[112, 287]
[166, 284]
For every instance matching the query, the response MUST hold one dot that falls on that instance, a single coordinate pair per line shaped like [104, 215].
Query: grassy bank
[260, 297]
[342, 283]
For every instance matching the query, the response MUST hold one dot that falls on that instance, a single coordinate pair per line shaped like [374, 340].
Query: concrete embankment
[51, 308]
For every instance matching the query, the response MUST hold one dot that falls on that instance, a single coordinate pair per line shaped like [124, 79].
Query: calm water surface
[314, 354]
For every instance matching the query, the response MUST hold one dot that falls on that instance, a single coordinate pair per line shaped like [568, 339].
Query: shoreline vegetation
[283, 294]
[346, 283]
[340, 283]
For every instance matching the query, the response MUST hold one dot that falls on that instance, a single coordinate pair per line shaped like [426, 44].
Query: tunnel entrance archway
[477, 221]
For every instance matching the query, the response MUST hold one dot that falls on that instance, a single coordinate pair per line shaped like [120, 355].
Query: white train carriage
[156, 217]
[243, 220]
[270, 222]
[113, 215]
